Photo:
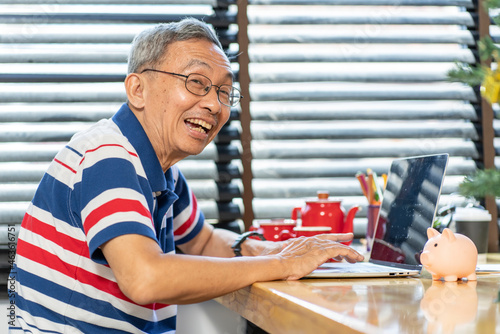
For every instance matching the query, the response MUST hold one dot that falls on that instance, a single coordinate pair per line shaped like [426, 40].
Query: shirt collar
[132, 129]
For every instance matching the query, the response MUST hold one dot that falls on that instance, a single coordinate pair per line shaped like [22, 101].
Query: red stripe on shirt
[49, 260]
[64, 165]
[108, 145]
[115, 206]
[184, 227]
[49, 232]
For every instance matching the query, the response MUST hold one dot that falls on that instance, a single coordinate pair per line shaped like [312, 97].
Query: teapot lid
[323, 197]
[323, 194]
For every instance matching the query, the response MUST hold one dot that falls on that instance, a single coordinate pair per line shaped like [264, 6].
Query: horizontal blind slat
[328, 91]
[301, 149]
[465, 3]
[355, 110]
[362, 129]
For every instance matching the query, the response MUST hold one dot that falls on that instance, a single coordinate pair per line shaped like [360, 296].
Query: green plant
[481, 184]
[481, 74]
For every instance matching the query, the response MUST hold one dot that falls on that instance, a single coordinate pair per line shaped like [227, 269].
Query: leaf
[487, 48]
[470, 75]
[491, 4]
[481, 184]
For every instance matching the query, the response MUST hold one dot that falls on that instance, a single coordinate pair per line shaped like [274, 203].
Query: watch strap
[241, 238]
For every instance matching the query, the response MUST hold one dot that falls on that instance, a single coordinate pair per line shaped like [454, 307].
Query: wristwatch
[240, 239]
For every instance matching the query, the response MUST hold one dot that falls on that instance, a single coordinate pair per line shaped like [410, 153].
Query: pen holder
[372, 216]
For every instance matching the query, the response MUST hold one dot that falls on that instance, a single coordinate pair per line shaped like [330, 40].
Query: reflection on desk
[373, 300]
[447, 305]
[396, 305]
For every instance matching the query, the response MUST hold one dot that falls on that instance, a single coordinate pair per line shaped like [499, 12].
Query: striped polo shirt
[105, 183]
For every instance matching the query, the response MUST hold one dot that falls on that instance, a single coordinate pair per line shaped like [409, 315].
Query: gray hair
[149, 47]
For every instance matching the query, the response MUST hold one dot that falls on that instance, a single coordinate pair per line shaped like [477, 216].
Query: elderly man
[96, 250]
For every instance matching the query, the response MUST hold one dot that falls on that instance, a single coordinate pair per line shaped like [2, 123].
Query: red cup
[304, 231]
[309, 231]
[272, 228]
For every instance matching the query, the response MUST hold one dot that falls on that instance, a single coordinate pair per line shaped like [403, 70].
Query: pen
[362, 181]
[371, 187]
[378, 190]
[384, 177]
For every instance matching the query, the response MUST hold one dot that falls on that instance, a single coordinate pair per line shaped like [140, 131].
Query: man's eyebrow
[197, 62]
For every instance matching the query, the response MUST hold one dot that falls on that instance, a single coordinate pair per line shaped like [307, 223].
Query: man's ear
[134, 86]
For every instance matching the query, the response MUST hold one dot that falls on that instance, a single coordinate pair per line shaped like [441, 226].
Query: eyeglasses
[200, 85]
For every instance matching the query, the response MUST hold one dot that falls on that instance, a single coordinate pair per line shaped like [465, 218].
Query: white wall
[209, 318]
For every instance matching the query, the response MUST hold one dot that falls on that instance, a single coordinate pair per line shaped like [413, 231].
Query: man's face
[177, 122]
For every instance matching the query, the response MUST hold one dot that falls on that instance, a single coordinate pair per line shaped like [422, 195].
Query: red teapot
[325, 212]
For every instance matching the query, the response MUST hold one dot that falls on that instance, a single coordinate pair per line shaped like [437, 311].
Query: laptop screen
[408, 208]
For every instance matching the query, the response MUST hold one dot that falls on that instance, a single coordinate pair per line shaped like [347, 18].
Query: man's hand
[146, 275]
[300, 256]
[272, 247]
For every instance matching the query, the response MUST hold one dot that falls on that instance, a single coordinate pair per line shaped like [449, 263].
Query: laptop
[408, 208]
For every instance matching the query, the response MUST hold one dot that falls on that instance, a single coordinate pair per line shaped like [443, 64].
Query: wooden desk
[377, 305]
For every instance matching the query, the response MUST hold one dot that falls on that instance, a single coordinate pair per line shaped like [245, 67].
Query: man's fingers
[324, 242]
[341, 237]
[325, 246]
[341, 251]
[303, 255]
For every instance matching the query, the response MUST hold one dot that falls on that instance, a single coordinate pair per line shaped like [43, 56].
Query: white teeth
[201, 130]
[200, 122]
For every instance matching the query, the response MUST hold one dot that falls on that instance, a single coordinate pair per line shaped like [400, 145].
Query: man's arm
[146, 275]
[217, 242]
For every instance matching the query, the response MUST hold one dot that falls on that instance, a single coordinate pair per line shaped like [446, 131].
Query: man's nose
[211, 101]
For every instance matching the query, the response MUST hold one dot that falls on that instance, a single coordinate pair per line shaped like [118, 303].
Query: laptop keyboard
[358, 268]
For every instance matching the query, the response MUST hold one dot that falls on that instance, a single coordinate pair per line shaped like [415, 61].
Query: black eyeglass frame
[211, 85]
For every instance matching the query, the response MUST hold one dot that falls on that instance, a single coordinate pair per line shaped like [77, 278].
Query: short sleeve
[113, 196]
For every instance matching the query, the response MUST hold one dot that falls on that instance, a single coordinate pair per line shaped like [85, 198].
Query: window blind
[62, 66]
[341, 86]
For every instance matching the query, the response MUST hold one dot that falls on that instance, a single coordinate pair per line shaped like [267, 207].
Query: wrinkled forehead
[197, 54]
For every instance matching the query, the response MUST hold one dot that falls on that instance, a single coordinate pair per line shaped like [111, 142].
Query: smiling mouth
[198, 125]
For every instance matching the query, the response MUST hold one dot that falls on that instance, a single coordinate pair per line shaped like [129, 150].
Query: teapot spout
[349, 220]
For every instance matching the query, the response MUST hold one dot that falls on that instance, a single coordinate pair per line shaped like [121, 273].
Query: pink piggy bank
[449, 255]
